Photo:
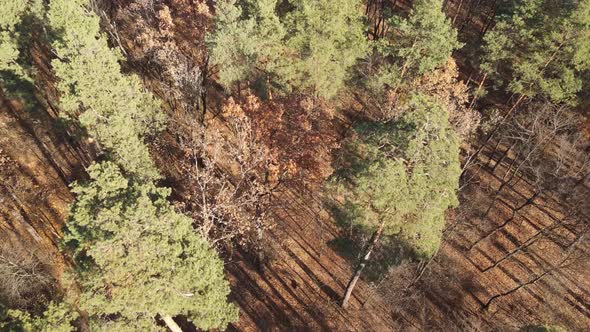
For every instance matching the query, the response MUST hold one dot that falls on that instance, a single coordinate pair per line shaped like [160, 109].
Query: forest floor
[301, 286]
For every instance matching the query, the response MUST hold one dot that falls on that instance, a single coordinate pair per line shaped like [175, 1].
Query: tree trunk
[493, 132]
[363, 263]
[205, 72]
[171, 323]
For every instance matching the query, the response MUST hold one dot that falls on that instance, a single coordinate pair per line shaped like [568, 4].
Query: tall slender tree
[402, 178]
[113, 107]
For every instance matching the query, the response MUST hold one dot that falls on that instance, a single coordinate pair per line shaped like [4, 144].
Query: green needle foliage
[18, 18]
[12, 12]
[541, 49]
[113, 107]
[404, 173]
[244, 40]
[137, 258]
[310, 45]
[325, 38]
[56, 318]
[416, 45]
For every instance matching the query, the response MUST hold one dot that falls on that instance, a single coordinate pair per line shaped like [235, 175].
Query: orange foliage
[299, 134]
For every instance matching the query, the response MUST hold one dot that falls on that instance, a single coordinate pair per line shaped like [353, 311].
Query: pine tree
[402, 178]
[12, 22]
[58, 317]
[113, 107]
[541, 49]
[137, 258]
[245, 39]
[310, 46]
[325, 39]
[11, 16]
[416, 45]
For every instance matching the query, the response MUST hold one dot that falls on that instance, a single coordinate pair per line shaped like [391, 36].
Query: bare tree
[25, 282]
[229, 194]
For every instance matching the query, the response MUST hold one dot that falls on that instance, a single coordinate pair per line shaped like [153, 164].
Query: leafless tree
[24, 281]
[226, 173]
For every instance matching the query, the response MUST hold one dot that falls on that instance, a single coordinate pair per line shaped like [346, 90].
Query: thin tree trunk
[495, 130]
[205, 72]
[493, 153]
[171, 323]
[363, 263]
[501, 160]
[570, 251]
[457, 12]
[479, 87]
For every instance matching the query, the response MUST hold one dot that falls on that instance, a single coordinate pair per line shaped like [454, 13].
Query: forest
[295, 165]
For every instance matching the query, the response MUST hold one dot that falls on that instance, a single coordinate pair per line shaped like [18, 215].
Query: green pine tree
[324, 40]
[541, 49]
[15, 25]
[415, 45]
[137, 258]
[58, 317]
[405, 174]
[245, 40]
[312, 45]
[11, 16]
[113, 107]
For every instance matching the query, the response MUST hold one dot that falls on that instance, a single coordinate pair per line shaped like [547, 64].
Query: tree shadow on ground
[390, 252]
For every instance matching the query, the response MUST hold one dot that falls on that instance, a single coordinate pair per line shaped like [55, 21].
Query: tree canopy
[310, 45]
[245, 39]
[137, 258]
[58, 317]
[404, 173]
[541, 48]
[118, 114]
[415, 46]
[11, 16]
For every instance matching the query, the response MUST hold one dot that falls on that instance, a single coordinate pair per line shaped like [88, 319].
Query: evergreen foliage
[416, 45]
[324, 40]
[13, 22]
[11, 16]
[137, 258]
[310, 46]
[245, 39]
[541, 49]
[404, 172]
[113, 107]
[57, 318]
